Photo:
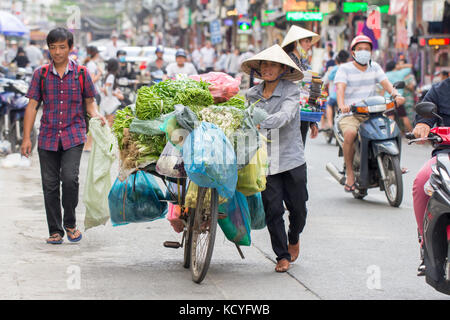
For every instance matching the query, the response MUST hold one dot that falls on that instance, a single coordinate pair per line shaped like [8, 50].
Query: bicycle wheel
[203, 232]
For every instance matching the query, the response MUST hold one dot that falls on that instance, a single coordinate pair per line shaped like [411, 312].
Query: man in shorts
[355, 81]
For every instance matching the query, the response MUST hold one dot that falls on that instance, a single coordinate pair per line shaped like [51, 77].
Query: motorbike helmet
[180, 53]
[361, 39]
[121, 52]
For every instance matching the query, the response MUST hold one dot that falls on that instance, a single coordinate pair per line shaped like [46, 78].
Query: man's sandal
[71, 235]
[55, 239]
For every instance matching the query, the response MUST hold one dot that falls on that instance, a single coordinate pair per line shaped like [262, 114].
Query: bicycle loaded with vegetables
[62, 133]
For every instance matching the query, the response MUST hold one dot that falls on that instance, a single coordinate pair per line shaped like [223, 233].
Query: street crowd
[63, 133]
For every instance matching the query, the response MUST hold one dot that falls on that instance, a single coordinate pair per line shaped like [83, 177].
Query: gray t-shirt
[282, 127]
[360, 84]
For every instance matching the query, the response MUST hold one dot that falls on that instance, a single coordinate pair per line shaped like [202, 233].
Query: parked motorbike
[377, 150]
[436, 232]
[12, 112]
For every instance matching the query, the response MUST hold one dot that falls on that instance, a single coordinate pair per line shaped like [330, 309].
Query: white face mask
[362, 57]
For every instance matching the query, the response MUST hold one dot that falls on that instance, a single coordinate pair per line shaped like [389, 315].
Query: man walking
[63, 131]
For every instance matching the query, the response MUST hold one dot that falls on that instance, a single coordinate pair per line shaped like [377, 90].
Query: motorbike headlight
[428, 189]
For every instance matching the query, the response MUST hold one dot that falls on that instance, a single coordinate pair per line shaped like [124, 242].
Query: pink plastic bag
[223, 86]
[173, 215]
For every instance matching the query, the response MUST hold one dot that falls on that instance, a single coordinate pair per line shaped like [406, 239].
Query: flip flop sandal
[72, 233]
[57, 239]
[351, 188]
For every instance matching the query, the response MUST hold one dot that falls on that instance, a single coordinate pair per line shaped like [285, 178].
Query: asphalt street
[350, 249]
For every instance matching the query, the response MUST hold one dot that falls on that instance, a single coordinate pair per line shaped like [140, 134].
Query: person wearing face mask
[355, 81]
[297, 43]
[125, 68]
[278, 96]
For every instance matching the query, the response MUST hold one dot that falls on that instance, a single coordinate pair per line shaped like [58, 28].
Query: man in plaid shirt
[62, 133]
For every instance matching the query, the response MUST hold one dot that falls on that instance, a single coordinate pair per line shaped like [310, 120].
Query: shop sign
[304, 16]
[434, 42]
[295, 5]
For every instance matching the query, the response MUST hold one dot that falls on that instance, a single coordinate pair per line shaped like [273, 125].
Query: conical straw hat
[275, 54]
[296, 33]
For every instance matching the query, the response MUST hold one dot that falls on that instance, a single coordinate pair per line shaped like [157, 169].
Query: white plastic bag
[170, 163]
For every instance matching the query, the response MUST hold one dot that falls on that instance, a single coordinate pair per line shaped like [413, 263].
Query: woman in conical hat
[279, 97]
[296, 44]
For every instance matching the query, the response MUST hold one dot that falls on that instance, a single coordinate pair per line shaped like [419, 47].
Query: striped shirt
[360, 84]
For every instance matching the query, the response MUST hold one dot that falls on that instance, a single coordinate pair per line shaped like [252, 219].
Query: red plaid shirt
[62, 108]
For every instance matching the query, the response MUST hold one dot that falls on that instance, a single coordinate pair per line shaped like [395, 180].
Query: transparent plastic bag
[236, 226]
[137, 199]
[170, 163]
[209, 159]
[257, 213]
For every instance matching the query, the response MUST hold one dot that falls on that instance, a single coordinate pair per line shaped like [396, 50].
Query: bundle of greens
[238, 101]
[122, 121]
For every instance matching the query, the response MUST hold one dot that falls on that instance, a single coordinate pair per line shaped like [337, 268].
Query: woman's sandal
[282, 265]
[55, 239]
[72, 235]
[351, 188]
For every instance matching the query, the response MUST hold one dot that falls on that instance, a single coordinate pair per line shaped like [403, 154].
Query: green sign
[304, 16]
[348, 7]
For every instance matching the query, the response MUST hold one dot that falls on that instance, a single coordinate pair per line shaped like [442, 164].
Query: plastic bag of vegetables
[252, 178]
[137, 199]
[191, 197]
[170, 163]
[236, 226]
[257, 213]
[209, 159]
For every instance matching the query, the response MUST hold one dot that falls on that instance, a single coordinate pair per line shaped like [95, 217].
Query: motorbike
[12, 112]
[376, 163]
[435, 249]
[128, 89]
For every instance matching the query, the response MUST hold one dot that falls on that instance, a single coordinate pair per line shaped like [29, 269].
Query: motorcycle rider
[157, 69]
[356, 81]
[439, 94]
[125, 68]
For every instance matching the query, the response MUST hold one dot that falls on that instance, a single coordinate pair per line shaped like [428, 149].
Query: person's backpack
[81, 71]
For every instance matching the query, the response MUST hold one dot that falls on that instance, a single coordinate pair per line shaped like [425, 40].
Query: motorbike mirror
[428, 110]
[399, 85]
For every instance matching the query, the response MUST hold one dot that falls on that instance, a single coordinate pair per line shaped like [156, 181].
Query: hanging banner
[397, 7]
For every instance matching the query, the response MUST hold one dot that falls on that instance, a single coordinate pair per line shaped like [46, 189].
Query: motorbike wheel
[393, 186]
[16, 143]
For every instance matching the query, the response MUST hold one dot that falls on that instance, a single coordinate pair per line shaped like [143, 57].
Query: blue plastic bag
[137, 199]
[236, 226]
[257, 213]
[209, 159]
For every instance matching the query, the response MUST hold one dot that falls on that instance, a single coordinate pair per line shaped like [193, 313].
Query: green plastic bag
[257, 213]
[98, 180]
[236, 226]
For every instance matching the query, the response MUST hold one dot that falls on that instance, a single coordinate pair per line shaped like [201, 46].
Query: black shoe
[421, 269]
